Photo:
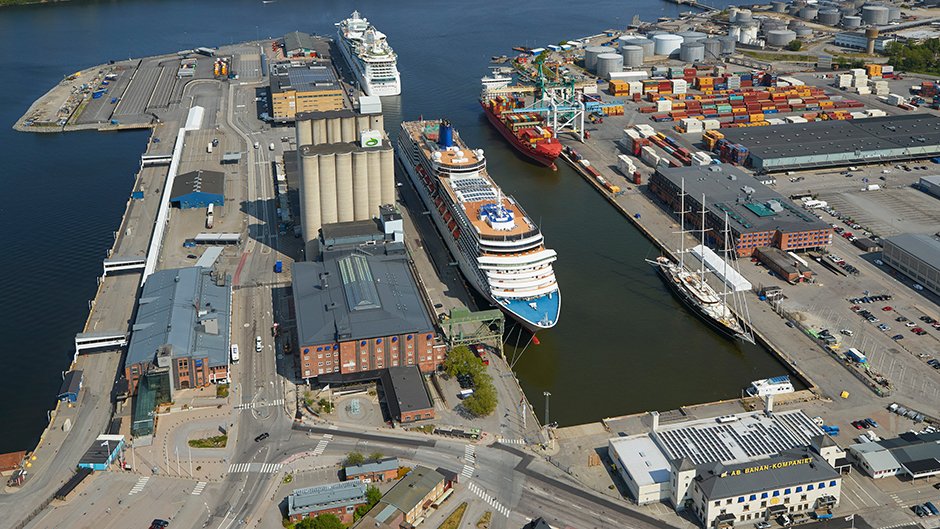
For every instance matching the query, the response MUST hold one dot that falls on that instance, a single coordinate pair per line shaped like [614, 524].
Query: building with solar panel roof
[734, 469]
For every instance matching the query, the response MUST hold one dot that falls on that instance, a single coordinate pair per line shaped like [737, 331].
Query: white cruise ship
[499, 248]
[369, 56]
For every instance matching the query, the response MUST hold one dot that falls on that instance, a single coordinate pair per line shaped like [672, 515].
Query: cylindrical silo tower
[387, 163]
[375, 182]
[348, 125]
[607, 63]
[692, 52]
[334, 130]
[344, 187]
[327, 166]
[632, 56]
[304, 132]
[309, 188]
[360, 185]
[590, 56]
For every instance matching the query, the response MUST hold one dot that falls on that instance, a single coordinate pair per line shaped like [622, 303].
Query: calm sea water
[623, 344]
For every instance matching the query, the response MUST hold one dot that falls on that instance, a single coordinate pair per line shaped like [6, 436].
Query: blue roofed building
[198, 189]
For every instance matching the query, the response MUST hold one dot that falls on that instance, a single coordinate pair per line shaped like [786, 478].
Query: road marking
[263, 468]
[512, 441]
[197, 490]
[489, 499]
[238, 467]
[468, 457]
[141, 483]
[321, 446]
[251, 405]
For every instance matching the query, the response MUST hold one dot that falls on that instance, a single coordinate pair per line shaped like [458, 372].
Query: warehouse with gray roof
[917, 256]
[911, 454]
[757, 215]
[835, 143]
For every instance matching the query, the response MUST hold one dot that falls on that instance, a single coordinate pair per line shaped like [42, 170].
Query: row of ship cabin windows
[776, 493]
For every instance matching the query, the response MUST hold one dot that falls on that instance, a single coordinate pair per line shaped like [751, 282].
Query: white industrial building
[859, 40]
[917, 256]
[755, 466]
[346, 166]
[910, 454]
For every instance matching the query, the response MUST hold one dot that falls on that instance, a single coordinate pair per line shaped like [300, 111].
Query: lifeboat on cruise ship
[451, 225]
[438, 201]
[432, 187]
[420, 169]
[442, 208]
[447, 217]
[457, 233]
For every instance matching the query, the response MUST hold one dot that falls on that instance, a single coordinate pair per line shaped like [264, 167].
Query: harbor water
[623, 344]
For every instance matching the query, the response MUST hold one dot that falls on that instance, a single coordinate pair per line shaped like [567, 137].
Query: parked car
[790, 324]
[871, 423]
[900, 318]
[158, 524]
[897, 337]
[886, 309]
[857, 425]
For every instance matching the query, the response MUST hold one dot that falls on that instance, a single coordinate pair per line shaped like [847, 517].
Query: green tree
[460, 361]
[483, 400]
[354, 458]
[323, 521]
[373, 496]
[375, 456]
[794, 45]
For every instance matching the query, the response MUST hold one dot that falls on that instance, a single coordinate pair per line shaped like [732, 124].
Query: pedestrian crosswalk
[489, 499]
[512, 441]
[898, 500]
[264, 468]
[197, 490]
[469, 457]
[141, 483]
[259, 404]
[321, 446]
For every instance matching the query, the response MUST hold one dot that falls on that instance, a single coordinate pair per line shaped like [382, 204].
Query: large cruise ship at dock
[369, 56]
[498, 247]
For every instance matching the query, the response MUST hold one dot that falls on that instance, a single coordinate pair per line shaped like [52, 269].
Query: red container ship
[526, 131]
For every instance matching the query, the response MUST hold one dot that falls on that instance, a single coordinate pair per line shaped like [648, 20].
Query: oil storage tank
[667, 44]
[649, 48]
[804, 31]
[852, 21]
[590, 56]
[794, 24]
[692, 52]
[712, 48]
[727, 44]
[808, 13]
[743, 15]
[778, 7]
[607, 63]
[692, 36]
[829, 17]
[632, 56]
[894, 13]
[780, 37]
[793, 10]
[877, 15]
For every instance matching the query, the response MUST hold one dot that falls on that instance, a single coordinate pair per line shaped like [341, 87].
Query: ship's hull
[547, 160]
[687, 299]
[369, 87]
[518, 310]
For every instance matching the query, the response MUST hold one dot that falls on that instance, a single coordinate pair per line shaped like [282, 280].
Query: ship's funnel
[445, 135]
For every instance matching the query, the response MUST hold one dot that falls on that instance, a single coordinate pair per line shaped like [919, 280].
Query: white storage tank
[780, 37]
[734, 33]
[590, 56]
[667, 44]
[748, 36]
[877, 15]
[743, 14]
[632, 56]
[649, 48]
[625, 40]
[778, 7]
[829, 17]
[712, 48]
[727, 44]
[852, 21]
[607, 63]
[692, 52]
[692, 36]
[808, 13]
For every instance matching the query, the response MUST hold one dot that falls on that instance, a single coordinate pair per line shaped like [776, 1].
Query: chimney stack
[655, 415]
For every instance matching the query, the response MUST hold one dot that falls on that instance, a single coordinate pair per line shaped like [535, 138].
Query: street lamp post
[547, 394]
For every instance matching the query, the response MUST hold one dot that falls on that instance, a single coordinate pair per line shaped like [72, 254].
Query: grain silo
[590, 56]
[780, 37]
[346, 169]
[851, 21]
[829, 17]
[727, 44]
[632, 56]
[712, 48]
[607, 63]
[667, 44]
[691, 52]
[876, 15]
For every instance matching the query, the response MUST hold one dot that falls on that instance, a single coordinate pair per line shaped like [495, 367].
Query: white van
[234, 353]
